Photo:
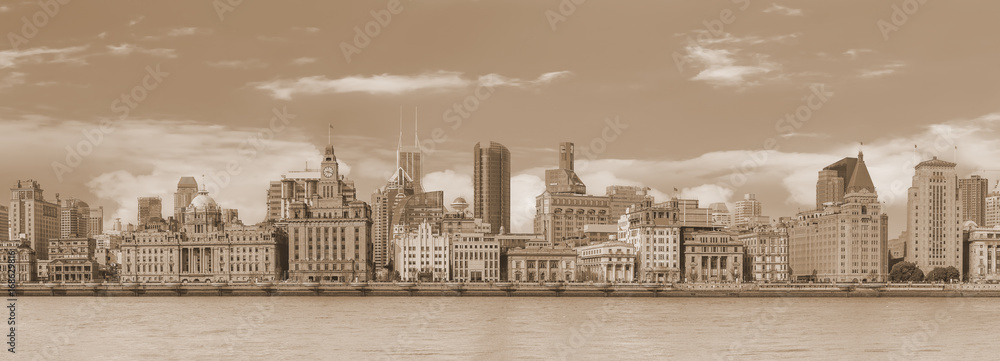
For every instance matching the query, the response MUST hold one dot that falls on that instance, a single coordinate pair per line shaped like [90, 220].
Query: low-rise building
[475, 257]
[421, 254]
[611, 261]
[542, 263]
[983, 253]
[713, 256]
[24, 261]
[766, 254]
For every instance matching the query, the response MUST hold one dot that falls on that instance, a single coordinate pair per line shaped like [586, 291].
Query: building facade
[713, 256]
[187, 189]
[422, 254]
[934, 217]
[972, 193]
[95, 223]
[611, 261]
[766, 258]
[475, 257]
[491, 183]
[621, 198]
[150, 210]
[992, 208]
[206, 249]
[329, 230]
[24, 262]
[5, 224]
[541, 263]
[31, 215]
[984, 250]
[748, 212]
[74, 218]
[384, 203]
[843, 242]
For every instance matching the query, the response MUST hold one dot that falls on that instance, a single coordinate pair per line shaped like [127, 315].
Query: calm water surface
[385, 328]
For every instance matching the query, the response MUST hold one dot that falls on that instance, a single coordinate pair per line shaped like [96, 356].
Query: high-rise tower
[491, 182]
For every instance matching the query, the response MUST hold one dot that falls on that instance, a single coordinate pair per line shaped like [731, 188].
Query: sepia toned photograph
[500, 179]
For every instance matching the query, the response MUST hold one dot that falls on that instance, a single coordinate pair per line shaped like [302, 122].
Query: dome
[203, 201]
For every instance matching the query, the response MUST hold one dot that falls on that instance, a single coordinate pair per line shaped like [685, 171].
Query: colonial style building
[766, 256]
[611, 261]
[843, 242]
[565, 208]
[33, 216]
[541, 263]
[329, 229]
[983, 252]
[656, 233]
[72, 260]
[475, 257]
[713, 256]
[24, 261]
[422, 254]
[205, 250]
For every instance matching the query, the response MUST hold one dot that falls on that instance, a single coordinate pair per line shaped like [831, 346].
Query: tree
[942, 274]
[906, 272]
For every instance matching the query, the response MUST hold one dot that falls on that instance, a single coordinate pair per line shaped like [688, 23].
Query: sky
[107, 101]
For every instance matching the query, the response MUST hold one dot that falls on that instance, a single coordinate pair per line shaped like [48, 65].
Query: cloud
[238, 64]
[126, 49]
[13, 57]
[136, 20]
[454, 184]
[883, 70]
[102, 35]
[392, 84]
[303, 61]
[719, 67]
[187, 31]
[854, 53]
[147, 157]
[783, 10]
[4, 8]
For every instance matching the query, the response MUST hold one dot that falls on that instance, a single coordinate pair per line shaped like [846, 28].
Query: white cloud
[126, 49]
[720, 67]
[523, 189]
[12, 58]
[303, 61]
[783, 10]
[238, 64]
[854, 53]
[136, 20]
[454, 185]
[4, 8]
[392, 84]
[12, 79]
[883, 70]
[187, 31]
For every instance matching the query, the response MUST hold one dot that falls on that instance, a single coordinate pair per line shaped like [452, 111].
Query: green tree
[906, 272]
[943, 274]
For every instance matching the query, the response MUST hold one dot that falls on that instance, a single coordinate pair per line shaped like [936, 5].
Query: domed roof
[459, 200]
[203, 200]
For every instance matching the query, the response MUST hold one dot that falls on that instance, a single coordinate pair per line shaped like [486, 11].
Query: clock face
[328, 171]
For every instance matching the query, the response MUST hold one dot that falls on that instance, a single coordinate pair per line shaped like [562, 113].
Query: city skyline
[759, 68]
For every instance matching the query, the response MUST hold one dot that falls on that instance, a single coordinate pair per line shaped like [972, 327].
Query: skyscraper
[845, 240]
[187, 189]
[4, 224]
[833, 180]
[491, 183]
[74, 218]
[33, 216]
[934, 217]
[992, 207]
[411, 158]
[972, 193]
[622, 197]
[95, 223]
[150, 209]
[748, 212]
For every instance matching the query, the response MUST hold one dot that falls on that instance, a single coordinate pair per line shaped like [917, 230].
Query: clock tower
[329, 181]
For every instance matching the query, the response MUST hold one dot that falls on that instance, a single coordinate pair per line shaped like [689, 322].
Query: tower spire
[399, 146]
[416, 141]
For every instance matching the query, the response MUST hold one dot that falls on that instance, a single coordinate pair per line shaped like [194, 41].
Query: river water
[467, 328]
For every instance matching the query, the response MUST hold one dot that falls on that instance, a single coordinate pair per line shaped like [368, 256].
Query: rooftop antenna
[416, 141]
[399, 146]
[329, 134]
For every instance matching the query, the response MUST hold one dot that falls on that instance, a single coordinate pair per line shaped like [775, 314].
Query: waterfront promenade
[509, 289]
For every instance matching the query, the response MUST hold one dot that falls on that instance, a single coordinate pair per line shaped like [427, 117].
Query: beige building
[187, 189]
[150, 211]
[24, 262]
[475, 257]
[31, 215]
[422, 254]
[384, 203]
[984, 250]
[611, 261]
[5, 224]
[542, 263]
[95, 223]
[205, 250]
[992, 208]
[329, 229]
[766, 258]
[491, 185]
[621, 198]
[972, 194]
[934, 217]
[842, 242]
[656, 236]
[713, 256]
[748, 212]
[565, 208]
